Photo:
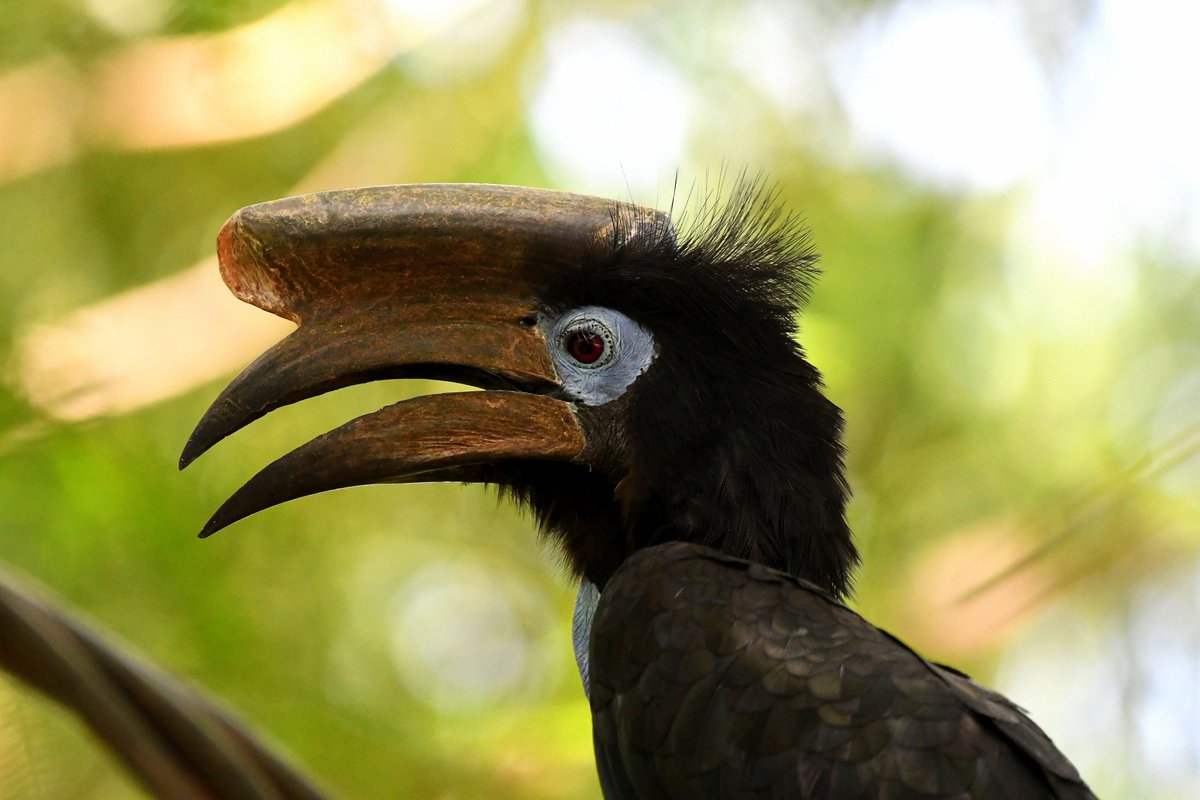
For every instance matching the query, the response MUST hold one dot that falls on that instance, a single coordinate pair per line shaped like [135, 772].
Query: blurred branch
[39, 117]
[177, 743]
[141, 346]
[201, 89]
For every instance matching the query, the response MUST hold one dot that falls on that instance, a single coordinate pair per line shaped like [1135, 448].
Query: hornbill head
[642, 385]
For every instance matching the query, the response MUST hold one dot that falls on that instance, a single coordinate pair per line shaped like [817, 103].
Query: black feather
[815, 703]
[738, 264]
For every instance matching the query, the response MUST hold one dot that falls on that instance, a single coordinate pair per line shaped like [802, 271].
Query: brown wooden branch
[177, 743]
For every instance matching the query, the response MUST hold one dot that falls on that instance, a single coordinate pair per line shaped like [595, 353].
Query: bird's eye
[589, 343]
[586, 347]
[597, 352]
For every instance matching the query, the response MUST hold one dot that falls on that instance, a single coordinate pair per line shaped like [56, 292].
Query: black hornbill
[646, 398]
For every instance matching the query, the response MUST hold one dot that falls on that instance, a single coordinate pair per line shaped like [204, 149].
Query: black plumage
[715, 677]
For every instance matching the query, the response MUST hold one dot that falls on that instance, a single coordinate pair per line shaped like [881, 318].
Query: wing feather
[717, 677]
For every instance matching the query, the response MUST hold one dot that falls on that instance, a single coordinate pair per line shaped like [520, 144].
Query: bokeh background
[1007, 199]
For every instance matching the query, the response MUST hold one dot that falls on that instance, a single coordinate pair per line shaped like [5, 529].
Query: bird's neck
[762, 480]
[766, 485]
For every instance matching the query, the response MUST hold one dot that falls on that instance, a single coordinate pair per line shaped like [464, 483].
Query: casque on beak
[437, 281]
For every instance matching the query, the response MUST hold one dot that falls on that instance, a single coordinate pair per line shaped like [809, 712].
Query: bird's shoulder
[712, 676]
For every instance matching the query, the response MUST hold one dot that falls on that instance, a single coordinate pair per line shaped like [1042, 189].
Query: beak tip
[191, 451]
[214, 426]
[214, 524]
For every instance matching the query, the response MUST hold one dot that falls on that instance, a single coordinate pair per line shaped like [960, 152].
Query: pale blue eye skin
[592, 380]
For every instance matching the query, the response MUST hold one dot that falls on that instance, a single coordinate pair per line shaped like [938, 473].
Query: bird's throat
[581, 629]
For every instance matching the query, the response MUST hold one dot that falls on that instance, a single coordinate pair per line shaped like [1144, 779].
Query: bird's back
[713, 677]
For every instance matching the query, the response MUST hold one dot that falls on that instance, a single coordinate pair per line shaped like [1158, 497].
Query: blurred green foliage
[974, 438]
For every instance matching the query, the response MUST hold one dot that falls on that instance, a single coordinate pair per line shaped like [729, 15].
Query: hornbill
[646, 397]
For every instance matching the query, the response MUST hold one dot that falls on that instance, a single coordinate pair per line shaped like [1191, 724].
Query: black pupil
[585, 346]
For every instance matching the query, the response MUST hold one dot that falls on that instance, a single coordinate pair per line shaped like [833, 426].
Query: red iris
[585, 346]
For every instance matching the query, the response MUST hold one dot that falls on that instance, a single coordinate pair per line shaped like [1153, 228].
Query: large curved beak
[442, 281]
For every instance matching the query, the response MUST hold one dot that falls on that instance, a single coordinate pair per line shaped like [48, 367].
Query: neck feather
[766, 483]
